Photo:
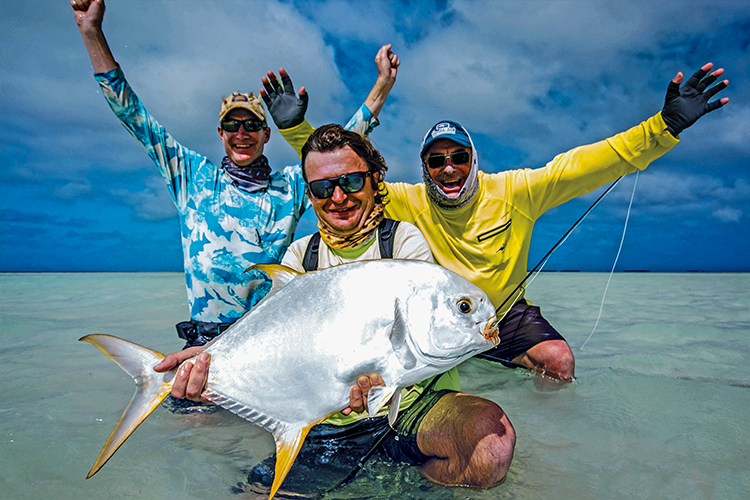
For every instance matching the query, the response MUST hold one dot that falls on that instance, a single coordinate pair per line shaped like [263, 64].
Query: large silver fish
[289, 363]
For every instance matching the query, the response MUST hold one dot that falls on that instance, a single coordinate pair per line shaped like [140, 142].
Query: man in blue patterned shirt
[235, 214]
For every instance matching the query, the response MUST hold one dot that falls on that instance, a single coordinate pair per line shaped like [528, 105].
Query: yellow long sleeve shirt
[487, 241]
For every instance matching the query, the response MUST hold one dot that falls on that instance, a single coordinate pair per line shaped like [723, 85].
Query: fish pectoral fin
[378, 397]
[288, 443]
[151, 388]
[393, 410]
[280, 275]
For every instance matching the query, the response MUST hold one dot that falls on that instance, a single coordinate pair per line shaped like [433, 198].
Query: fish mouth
[490, 331]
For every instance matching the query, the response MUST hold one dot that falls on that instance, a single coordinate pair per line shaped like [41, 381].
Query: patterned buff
[251, 178]
[334, 240]
[469, 189]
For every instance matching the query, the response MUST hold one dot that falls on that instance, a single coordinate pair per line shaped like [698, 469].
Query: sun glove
[684, 105]
[287, 108]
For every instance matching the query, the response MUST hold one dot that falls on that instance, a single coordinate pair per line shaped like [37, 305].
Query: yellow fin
[288, 444]
[280, 275]
[151, 388]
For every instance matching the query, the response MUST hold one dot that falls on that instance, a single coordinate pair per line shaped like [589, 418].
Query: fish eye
[464, 305]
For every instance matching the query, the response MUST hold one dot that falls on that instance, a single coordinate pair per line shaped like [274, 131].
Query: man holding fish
[479, 225]
[235, 214]
[456, 438]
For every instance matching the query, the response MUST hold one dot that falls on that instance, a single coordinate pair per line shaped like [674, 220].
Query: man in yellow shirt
[479, 225]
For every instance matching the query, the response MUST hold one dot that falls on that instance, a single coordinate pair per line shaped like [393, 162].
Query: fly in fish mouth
[492, 332]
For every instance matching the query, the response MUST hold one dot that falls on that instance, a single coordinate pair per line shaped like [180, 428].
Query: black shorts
[331, 452]
[520, 330]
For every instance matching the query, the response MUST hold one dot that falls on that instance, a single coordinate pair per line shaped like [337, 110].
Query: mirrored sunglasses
[438, 160]
[349, 183]
[250, 125]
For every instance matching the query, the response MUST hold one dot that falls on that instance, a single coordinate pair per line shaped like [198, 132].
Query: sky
[528, 79]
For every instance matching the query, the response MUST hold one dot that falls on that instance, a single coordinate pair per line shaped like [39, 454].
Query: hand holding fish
[358, 393]
[191, 377]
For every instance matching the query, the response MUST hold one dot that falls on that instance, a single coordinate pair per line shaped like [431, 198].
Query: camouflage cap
[244, 101]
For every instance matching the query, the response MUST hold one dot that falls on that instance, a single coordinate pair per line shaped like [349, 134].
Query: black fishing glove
[286, 108]
[683, 106]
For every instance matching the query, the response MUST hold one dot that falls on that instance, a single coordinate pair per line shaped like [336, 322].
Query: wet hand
[358, 393]
[191, 378]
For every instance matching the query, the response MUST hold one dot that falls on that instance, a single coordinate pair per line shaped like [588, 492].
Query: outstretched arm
[684, 105]
[89, 15]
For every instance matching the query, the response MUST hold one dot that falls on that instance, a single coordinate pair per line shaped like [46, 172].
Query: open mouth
[451, 187]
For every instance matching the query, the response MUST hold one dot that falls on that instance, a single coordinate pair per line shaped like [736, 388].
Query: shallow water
[659, 409]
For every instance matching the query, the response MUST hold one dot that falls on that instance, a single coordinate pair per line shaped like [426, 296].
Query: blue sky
[528, 79]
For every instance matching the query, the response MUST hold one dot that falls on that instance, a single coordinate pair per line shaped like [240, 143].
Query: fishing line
[624, 229]
[538, 268]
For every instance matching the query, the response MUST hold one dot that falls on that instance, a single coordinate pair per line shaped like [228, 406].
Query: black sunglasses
[250, 125]
[349, 183]
[438, 160]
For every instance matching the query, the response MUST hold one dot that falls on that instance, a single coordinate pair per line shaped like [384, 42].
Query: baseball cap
[244, 101]
[445, 129]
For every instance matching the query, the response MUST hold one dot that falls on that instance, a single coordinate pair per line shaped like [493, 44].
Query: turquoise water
[659, 409]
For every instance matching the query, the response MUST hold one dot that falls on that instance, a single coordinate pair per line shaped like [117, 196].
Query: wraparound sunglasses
[349, 183]
[438, 160]
[249, 125]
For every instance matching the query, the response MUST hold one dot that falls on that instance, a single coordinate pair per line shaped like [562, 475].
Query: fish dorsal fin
[151, 388]
[378, 397]
[280, 275]
[399, 334]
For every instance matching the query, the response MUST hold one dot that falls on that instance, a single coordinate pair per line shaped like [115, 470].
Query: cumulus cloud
[528, 79]
[682, 195]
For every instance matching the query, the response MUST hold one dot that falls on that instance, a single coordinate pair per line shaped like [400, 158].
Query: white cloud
[680, 194]
[72, 190]
[152, 203]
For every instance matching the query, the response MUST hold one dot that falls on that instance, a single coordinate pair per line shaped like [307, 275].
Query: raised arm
[387, 63]
[287, 109]
[89, 15]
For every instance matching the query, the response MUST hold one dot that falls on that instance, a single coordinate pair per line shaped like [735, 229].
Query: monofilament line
[624, 229]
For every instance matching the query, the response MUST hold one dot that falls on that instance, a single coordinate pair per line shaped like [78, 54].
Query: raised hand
[684, 105]
[88, 13]
[387, 62]
[286, 108]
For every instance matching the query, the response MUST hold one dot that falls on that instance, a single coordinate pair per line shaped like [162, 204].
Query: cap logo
[443, 129]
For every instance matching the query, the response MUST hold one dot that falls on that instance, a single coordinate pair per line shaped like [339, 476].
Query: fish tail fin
[288, 444]
[151, 388]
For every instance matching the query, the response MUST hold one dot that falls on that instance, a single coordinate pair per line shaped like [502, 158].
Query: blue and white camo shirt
[225, 230]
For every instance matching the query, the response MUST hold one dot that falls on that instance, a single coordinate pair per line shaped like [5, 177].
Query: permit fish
[288, 364]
